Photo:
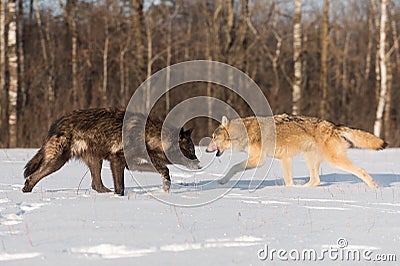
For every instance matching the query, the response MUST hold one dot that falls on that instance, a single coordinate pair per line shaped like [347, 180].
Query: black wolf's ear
[185, 133]
[225, 121]
[188, 132]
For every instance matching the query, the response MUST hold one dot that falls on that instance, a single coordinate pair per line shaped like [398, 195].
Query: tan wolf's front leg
[253, 161]
[287, 171]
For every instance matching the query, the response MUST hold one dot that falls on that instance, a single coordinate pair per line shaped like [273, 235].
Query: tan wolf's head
[220, 138]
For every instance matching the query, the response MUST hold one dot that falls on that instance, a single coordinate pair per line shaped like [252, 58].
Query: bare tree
[324, 107]
[20, 55]
[377, 36]
[138, 29]
[370, 42]
[13, 75]
[74, 53]
[296, 93]
[396, 45]
[169, 58]
[47, 62]
[70, 16]
[2, 64]
[105, 59]
[383, 70]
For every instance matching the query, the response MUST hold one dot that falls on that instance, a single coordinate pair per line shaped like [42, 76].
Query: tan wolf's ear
[225, 121]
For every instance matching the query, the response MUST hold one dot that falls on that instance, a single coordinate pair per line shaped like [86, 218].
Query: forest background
[335, 59]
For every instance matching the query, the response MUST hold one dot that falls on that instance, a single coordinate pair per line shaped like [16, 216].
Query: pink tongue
[214, 147]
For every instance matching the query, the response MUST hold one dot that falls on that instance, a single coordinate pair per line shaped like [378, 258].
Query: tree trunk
[377, 68]
[296, 93]
[383, 70]
[324, 106]
[149, 38]
[229, 26]
[13, 76]
[21, 58]
[122, 75]
[208, 56]
[3, 97]
[138, 30]
[168, 64]
[345, 78]
[388, 105]
[369, 46]
[74, 53]
[396, 45]
[48, 65]
[105, 62]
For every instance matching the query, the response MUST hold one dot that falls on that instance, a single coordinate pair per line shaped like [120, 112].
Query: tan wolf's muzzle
[213, 147]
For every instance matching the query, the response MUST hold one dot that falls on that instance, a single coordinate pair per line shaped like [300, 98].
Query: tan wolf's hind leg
[313, 162]
[344, 164]
[287, 171]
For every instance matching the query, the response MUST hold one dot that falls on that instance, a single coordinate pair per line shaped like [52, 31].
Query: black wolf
[94, 135]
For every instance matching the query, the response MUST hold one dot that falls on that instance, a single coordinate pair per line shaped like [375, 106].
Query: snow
[64, 222]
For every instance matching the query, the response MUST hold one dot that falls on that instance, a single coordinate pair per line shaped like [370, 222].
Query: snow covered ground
[64, 222]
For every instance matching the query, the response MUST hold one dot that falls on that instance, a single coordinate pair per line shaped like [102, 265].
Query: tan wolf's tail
[362, 139]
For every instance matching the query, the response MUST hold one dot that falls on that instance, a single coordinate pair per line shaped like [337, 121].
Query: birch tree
[13, 75]
[296, 93]
[74, 52]
[383, 71]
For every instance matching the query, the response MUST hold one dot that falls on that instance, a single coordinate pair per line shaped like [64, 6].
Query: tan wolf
[319, 140]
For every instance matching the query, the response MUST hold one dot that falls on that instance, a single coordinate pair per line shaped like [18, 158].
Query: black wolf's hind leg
[44, 170]
[117, 165]
[95, 170]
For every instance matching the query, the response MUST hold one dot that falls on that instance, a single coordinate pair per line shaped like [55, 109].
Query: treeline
[312, 57]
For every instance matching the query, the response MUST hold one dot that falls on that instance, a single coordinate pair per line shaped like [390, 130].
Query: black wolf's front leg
[117, 163]
[160, 162]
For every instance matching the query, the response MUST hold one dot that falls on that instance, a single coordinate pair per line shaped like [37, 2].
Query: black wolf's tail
[34, 164]
[55, 150]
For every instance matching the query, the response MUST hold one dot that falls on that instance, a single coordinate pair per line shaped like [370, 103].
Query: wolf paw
[119, 192]
[373, 185]
[222, 181]
[291, 184]
[26, 189]
[166, 185]
[311, 184]
[101, 189]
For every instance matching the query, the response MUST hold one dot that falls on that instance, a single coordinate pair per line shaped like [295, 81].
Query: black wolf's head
[187, 147]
